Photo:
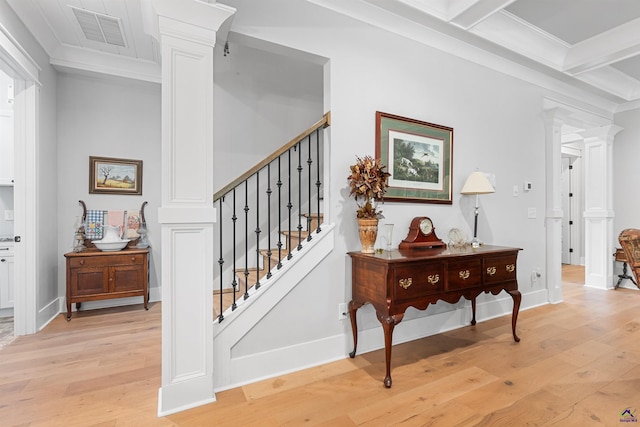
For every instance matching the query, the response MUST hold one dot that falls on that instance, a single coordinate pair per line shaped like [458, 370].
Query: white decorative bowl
[112, 245]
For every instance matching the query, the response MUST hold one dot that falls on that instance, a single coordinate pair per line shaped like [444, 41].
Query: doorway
[7, 287]
[572, 202]
[24, 71]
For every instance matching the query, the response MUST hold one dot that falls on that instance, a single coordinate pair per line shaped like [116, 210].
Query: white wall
[107, 117]
[262, 101]
[626, 152]
[498, 128]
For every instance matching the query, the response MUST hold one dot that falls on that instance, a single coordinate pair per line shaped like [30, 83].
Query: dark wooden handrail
[322, 123]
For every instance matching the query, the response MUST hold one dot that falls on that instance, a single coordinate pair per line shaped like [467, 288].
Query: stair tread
[294, 233]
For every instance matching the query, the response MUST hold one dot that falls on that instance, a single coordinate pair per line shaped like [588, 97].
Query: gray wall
[626, 149]
[107, 117]
[499, 128]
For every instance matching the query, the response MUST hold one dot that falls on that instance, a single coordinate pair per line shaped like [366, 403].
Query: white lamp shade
[477, 183]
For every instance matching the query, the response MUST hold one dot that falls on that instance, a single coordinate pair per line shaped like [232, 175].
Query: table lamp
[477, 183]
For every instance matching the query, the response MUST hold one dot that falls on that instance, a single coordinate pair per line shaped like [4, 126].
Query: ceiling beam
[619, 43]
[477, 12]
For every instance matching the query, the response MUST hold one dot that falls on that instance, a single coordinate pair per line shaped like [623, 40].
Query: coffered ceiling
[592, 44]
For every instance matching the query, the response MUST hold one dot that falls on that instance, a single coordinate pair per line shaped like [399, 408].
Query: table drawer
[123, 259]
[412, 281]
[499, 269]
[462, 275]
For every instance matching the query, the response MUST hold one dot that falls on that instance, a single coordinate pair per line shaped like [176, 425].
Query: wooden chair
[630, 241]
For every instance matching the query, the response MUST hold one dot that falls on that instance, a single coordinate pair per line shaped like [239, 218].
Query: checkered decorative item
[95, 224]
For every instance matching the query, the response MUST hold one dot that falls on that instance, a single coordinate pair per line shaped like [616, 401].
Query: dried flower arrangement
[368, 182]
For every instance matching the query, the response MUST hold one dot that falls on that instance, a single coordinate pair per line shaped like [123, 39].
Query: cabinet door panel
[6, 282]
[127, 278]
[89, 281]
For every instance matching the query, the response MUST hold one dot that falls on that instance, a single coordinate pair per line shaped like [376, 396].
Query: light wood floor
[578, 364]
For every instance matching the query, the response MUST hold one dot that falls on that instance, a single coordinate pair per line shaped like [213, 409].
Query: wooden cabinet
[95, 275]
[6, 277]
[395, 280]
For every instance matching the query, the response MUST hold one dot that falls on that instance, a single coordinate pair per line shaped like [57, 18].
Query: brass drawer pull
[81, 262]
[491, 271]
[511, 268]
[433, 278]
[405, 283]
[464, 274]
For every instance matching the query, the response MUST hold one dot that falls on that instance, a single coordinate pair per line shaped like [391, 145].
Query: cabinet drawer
[499, 269]
[102, 261]
[417, 280]
[462, 275]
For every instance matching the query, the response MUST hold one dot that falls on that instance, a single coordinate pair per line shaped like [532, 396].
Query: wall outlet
[8, 215]
[342, 311]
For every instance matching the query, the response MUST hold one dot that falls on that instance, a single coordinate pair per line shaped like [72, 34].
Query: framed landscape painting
[115, 176]
[418, 156]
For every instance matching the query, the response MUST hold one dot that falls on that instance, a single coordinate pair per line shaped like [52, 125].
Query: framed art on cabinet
[115, 176]
[419, 156]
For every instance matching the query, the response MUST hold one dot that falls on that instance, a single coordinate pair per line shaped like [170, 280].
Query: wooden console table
[95, 275]
[395, 280]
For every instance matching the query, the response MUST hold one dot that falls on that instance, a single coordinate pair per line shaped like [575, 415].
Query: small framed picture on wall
[115, 176]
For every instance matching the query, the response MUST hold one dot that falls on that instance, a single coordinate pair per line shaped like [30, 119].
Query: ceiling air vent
[100, 28]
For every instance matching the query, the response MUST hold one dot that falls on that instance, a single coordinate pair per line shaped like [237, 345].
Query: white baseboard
[48, 313]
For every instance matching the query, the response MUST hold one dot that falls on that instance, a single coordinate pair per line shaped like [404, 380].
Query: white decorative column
[554, 119]
[598, 213]
[188, 31]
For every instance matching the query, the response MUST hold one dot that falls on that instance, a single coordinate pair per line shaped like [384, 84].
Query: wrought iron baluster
[289, 206]
[246, 239]
[279, 215]
[299, 169]
[309, 164]
[234, 282]
[318, 178]
[268, 266]
[257, 230]
[220, 259]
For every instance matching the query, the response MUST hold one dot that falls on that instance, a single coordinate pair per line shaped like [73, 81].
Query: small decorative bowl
[111, 246]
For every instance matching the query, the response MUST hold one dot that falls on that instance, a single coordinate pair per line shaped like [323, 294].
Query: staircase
[266, 216]
[271, 259]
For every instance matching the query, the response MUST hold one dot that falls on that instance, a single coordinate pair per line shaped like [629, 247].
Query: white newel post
[188, 30]
[598, 213]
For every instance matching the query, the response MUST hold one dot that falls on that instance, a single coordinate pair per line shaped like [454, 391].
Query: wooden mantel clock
[422, 234]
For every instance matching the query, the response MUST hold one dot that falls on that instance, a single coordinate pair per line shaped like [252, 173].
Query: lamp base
[475, 243]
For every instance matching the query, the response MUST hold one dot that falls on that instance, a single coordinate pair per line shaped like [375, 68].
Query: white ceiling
[592, 44]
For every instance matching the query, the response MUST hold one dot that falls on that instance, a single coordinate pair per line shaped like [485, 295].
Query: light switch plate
[8, 215]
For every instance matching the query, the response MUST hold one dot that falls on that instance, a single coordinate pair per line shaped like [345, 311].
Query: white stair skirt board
[258, 305]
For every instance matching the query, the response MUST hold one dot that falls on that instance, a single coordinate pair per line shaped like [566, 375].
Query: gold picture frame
[109, 175]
